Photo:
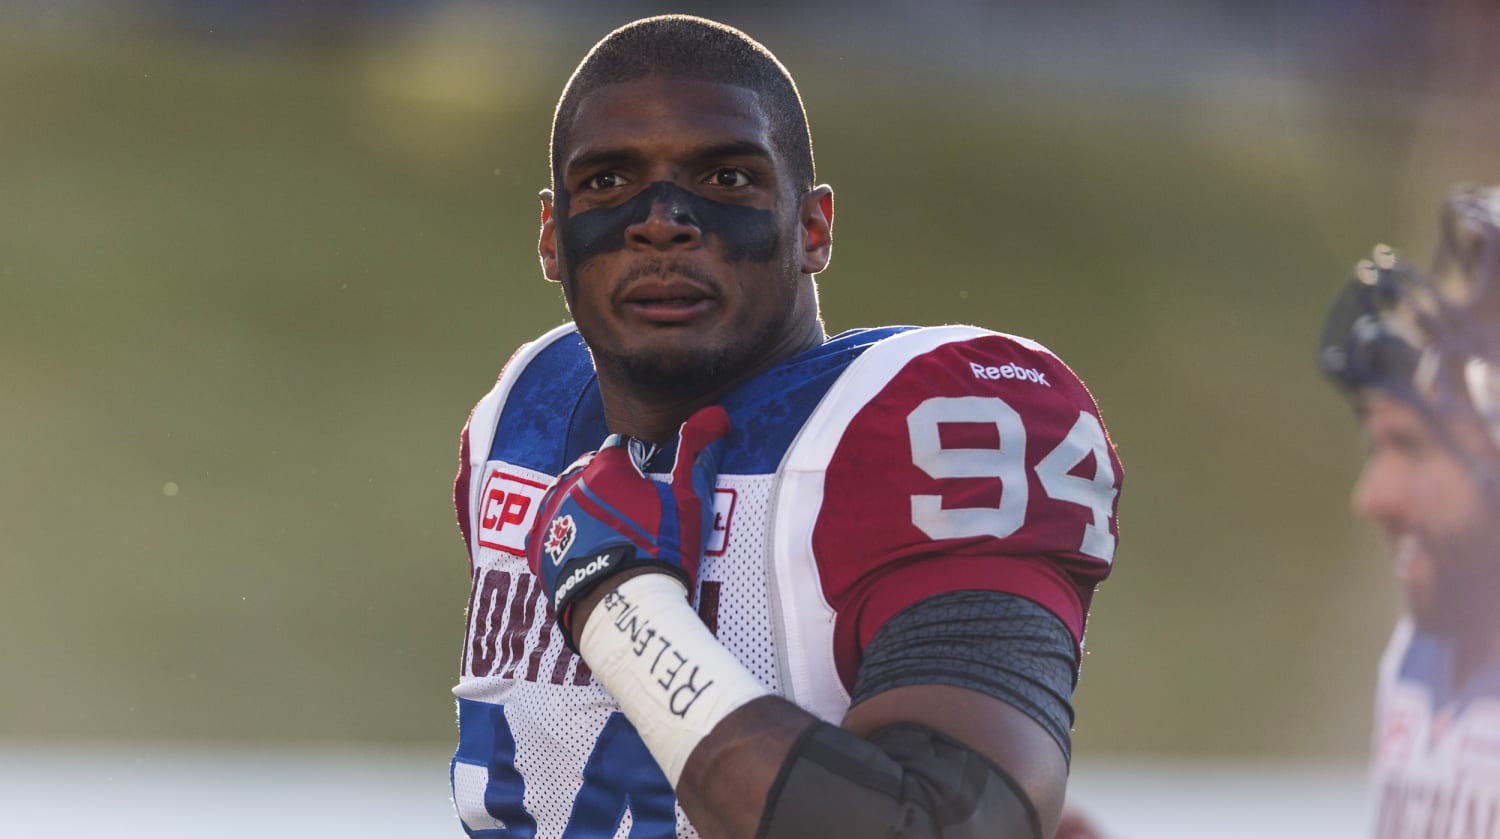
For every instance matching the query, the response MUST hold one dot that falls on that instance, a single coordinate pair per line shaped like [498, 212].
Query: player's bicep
[1006, 647]
[991, 670]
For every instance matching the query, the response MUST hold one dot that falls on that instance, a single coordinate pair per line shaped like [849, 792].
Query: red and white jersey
[861, 476]
[1436, 763]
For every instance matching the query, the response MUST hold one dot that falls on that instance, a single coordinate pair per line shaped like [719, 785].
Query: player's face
[1442, 533]
[683, 251]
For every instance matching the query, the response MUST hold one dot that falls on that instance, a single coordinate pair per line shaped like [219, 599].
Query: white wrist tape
[672, 678]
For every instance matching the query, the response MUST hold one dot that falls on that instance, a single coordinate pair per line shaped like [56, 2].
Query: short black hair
[687, 47]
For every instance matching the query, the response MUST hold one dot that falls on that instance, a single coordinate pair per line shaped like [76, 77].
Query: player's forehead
[666, 113]
[1383, 413]
[1390, 422]
[1389, 419]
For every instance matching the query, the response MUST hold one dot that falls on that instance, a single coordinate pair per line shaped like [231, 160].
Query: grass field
[249, 291]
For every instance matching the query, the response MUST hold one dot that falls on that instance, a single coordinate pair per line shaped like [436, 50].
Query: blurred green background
[258, 262]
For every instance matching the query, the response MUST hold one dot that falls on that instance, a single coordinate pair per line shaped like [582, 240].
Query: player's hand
[603, 514]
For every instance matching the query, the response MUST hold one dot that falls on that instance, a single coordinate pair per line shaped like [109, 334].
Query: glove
[603, 514]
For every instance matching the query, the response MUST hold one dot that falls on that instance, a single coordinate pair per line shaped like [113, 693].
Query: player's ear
[546, 246]
[816, 218]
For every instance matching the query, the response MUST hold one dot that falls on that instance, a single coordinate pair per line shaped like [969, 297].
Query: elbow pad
[907, 781]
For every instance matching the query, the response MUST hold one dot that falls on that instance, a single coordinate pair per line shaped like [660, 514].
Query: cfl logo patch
[560, 535]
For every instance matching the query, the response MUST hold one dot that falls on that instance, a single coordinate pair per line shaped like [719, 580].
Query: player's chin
[674, 365]
[1412, 564]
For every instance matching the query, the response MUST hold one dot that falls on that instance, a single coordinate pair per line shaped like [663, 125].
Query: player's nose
[670, 225]
[1381, 494]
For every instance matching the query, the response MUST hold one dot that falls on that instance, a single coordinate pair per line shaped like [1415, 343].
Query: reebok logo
[1009, 371]
[595, 567]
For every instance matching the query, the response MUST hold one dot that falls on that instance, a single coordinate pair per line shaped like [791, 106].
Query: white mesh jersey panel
[744, 622]
[515, 657]
[469, 782]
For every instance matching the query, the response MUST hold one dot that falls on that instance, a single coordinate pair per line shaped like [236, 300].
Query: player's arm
[918, 761]
[910, 760]
[959, 727]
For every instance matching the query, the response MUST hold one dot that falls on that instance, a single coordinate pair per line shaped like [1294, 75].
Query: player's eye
[603, 180]
[730, 177]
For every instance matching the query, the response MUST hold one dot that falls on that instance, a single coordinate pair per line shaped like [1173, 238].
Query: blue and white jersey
[881, 467]
[1436, 765]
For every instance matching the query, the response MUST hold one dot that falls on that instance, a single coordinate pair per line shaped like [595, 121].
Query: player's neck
[654, 420]
[657, 414]
[1475, 643]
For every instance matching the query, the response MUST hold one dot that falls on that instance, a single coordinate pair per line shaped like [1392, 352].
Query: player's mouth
[1413, 564]
[668, 303]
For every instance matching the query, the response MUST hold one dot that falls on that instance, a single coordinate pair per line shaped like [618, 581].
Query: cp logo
[506, 509]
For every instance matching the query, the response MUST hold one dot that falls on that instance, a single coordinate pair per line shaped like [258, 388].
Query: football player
[1419, 353]
[733, 577]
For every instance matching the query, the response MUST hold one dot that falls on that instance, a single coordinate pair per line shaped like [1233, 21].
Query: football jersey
[860, 476]
[1436, 764]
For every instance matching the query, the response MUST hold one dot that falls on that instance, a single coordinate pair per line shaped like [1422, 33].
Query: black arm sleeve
[996, 643]
[907, 781]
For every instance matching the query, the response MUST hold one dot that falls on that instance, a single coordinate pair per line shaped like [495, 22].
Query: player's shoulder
[917, 391]
[548, 386]
[945, 448]
[974, 352]
[905, 368]
[914, 337]
[558, 351]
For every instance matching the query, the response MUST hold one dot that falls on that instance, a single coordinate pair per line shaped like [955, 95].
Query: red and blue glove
[604, 514]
